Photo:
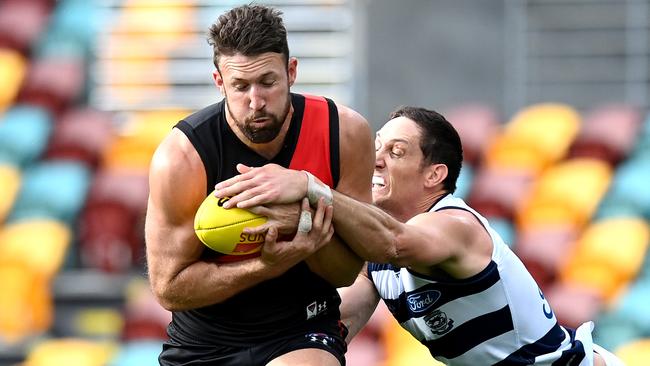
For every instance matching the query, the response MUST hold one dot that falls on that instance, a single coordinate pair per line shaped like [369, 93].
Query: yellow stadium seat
[636, 353]
[173, 18]
[9, 185]
[548, 127]
[508, 152]
[568, 192]
[25, 304]
[139, 138]
[68, 351]
[402, 349]
[98, 322]
[41, 244]
[12, 72]
[608, 255]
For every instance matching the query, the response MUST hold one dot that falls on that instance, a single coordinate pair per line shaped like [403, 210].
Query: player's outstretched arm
[357, 155]
[358, 303]
[179, 277]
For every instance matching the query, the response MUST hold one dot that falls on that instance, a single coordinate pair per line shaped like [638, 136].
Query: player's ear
[292, 70]
[435, 174]
[218, 80]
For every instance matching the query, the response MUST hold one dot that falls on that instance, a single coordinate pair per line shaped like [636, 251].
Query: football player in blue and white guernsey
[443, 272]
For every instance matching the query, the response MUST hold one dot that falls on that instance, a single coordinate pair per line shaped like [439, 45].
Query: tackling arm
[336, 262]
[358, 303]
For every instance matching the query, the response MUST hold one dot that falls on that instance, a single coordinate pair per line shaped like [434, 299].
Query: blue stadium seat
[505, 229]
[137, 353]
[628, 191]
[642, 146]
[79, 18]
[464, 182]
[24, 133]
[52, 189]
[634, 305]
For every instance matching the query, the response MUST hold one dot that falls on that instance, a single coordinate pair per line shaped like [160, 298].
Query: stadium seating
[71, 351]
[24, 132]
[52, 189]
[41, 244]
[565, 187]
[477, 125]
[567, 192]
[12, 71]
[597, 138]
[635, 353]
[26, 308]
[22, 23]
[10, 183]
[81, 134]
[608, 256]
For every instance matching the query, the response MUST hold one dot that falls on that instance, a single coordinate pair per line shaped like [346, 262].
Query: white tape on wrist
[304, 225]
[316, 190]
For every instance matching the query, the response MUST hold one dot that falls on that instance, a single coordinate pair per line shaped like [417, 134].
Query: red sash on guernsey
[313, 148]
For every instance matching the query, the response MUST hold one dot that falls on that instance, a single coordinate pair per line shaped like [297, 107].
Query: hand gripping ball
[221, 229]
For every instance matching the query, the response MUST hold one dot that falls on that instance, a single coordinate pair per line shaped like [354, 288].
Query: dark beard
[263, 134]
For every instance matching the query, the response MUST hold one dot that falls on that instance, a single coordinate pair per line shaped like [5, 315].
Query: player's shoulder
[174, 153]
[349, 115]
[352, 124]
[205, 115]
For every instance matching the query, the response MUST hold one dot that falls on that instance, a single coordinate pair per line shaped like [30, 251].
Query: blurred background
[550, 98]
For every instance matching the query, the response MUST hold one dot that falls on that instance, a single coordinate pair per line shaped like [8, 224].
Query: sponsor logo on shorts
[321, 338]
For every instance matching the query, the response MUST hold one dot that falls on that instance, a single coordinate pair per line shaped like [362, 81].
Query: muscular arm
[180, 279]
[358, 303]
[336, 262]
[452, 239]
[426, 240]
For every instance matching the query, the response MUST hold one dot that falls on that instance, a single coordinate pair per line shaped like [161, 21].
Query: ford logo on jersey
[421, 302]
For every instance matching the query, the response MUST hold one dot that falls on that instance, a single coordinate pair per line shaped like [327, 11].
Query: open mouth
[378, 182]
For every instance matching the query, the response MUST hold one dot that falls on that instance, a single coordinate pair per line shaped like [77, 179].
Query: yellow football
[221, 229]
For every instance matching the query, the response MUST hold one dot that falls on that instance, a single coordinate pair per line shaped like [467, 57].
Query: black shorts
[175, 353]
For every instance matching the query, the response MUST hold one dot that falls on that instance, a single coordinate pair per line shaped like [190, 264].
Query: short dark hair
[439, 141]
[251, 30]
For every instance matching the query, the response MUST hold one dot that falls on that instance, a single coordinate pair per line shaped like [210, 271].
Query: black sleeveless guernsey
[299, 300]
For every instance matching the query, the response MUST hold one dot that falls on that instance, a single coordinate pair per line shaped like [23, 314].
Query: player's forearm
[358, 303]
[206, 283]
[366, 229]
[336, 263]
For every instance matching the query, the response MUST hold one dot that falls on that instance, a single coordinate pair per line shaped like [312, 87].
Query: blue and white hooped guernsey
[497, 317]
